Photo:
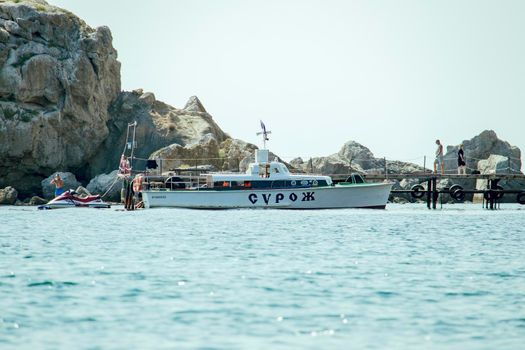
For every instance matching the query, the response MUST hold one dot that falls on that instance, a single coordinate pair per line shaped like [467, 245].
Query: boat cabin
[263, 174]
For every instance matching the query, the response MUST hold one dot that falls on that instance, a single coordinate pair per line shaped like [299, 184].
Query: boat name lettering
[158, 197]
[267, 197]
[308, 196]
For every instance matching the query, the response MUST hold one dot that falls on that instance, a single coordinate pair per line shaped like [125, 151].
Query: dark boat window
[358, 179]
[279, 184]
[261, 184]
[175, 182]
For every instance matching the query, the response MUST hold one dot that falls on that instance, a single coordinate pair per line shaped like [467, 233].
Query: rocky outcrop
[106, 182]
[229, 155]
[236, 154]
[194, 105]
[354, 157]
[35, 200]
[481, 147]
[8, 195]
[158, 125]
[497, 164]
[70, 182]
[202, 152]
[58, 77]
[485, 153]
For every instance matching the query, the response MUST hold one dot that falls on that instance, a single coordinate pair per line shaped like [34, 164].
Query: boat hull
[370, 195]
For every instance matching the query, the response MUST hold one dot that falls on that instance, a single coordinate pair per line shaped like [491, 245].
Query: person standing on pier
[462, 165]
[439, 158]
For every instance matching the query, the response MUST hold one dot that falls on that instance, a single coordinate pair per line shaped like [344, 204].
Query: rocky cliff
[61, 105]
[58, 76]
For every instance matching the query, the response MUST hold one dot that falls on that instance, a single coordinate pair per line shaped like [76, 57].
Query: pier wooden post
[429, 192]
[435, 193]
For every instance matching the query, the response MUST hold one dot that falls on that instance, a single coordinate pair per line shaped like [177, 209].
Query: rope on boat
[110, 187]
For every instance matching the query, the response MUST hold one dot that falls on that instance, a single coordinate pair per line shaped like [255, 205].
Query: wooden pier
[492, 195]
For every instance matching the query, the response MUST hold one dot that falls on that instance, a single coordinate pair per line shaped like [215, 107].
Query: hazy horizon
[320, 73]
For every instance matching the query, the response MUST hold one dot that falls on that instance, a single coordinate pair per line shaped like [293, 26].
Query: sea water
[401, 278]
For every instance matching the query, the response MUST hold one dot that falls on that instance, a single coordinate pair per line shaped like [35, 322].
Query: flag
[263, 127]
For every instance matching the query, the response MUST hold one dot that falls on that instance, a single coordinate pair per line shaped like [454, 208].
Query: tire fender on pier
[520, 198]
[457, 193]
[418, 191]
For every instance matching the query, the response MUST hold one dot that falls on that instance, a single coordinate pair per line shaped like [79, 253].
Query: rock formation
[35, 200]
[481, 147]
[62, 109]
[354, 157]
[485, 153]
[109, 183]
[58, 77]
[158, 125]
[8, 195]
[498, 164]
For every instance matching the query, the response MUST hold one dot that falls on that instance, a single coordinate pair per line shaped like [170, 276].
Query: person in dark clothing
[462, 164]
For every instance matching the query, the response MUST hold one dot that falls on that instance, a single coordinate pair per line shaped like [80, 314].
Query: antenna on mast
[264, 134]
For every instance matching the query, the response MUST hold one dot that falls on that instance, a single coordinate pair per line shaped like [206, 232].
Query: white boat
[266, 184]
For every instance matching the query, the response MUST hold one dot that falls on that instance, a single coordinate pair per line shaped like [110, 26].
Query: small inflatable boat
[71, 199]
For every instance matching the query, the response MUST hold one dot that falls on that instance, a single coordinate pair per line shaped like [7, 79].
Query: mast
[264, 134]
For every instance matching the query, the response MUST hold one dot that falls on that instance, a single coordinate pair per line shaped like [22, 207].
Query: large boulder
[159, 125]
[35, 200]
[8, 195]
[203, 152]
[358, 154]
[58, 77]
[481, 147]
[494, 164]
[106, 182]
[70, 182]
[497, 164]
[237, 154]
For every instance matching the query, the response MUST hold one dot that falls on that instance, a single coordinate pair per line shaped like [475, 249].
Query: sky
[392, 75]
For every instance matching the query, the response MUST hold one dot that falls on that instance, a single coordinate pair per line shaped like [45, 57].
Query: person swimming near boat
[59, 185]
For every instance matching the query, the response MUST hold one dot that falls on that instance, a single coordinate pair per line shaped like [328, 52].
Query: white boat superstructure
[265, 184]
